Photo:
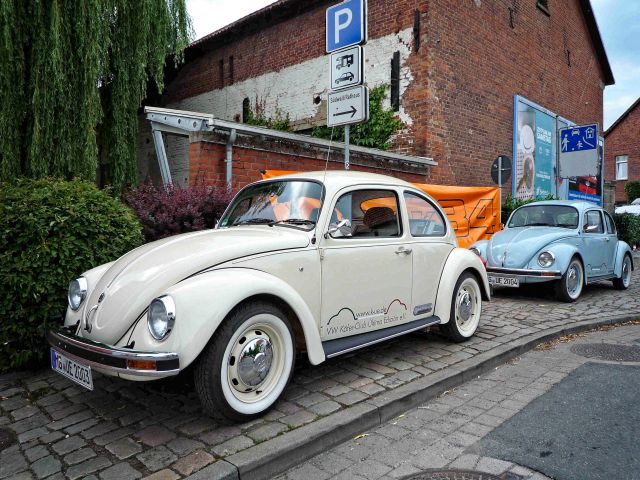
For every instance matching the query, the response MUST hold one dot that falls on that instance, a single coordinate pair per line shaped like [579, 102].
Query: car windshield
[544, 216]
[294, 203]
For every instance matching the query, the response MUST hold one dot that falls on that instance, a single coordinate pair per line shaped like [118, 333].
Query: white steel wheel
[624, 281]
[466, 308]
[569, 287]
[247, 364]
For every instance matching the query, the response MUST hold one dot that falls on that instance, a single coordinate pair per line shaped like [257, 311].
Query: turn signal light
[548, 274]
[141, 364]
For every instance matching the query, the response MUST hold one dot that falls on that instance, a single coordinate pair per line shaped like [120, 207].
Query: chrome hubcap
[464, 307]
[574, 279]
[626, 270]
[250, 361]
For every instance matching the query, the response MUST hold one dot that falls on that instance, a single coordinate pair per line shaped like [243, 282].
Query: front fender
[459, 261]
[563, 252]
[622, 249]
[482, 246]
[204, 301]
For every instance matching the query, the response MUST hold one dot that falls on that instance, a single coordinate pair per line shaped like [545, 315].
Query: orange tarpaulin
[474, 212]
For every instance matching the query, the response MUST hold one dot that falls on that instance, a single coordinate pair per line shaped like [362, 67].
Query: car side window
[593, 222]
[371, 213]
[611, 225]
[424, 219]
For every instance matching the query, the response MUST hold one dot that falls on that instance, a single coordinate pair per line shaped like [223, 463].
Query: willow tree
[73, 74]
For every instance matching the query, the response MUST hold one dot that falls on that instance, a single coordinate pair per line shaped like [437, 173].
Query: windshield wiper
[295, 221]
[256, 221]
[538, 225]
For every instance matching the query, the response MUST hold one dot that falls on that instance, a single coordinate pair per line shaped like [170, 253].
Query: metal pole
[500, 186]
[346, 147]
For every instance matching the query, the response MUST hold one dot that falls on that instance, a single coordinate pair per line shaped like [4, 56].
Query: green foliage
[511, 204]
[376, 133]
[628, 226]
[72, 68]
[632, 189]
[51, 231]
[257, 117]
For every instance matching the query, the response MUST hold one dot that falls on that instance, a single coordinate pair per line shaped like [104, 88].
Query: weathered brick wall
[457, 89]
[624, 139]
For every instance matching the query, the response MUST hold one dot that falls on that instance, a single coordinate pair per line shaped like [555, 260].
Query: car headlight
[161, 317]
[476, 251]
[77, 292]
[546, 259]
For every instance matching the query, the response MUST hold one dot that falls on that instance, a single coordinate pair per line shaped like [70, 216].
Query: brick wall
[624, 139]
[457, 89]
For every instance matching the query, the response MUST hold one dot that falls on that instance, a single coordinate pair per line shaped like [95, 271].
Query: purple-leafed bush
[166, 211]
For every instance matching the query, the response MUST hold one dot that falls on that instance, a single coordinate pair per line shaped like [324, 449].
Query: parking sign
[346, 24]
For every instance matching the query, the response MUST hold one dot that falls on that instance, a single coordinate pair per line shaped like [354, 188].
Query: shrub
[168, 211]
[628, 226]
[632, 189]
[51, 231]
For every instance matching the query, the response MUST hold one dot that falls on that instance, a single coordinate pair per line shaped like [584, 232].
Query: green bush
[628, 226]
[632, 189]
[51, 231]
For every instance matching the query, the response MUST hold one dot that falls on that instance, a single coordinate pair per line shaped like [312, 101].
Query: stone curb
[275, 456]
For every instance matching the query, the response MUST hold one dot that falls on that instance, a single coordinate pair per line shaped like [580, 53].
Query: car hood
[514, 247]
[125, 290]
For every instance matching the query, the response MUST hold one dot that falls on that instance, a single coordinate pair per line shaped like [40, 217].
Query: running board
[333, 348]
[608, 276]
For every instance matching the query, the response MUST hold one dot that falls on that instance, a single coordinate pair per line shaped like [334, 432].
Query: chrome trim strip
[91, 347]
[523, 272]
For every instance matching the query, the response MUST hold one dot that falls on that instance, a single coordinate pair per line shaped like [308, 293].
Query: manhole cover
[6, 438]
[460, 475]
[607, 351]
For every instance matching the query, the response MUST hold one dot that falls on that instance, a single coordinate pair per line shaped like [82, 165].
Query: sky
[618, 20]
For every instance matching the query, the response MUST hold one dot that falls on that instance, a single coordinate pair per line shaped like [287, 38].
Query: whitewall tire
[466, 308]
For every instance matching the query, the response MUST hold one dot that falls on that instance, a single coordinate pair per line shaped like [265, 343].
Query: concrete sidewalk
[129, 430]
[520, 410]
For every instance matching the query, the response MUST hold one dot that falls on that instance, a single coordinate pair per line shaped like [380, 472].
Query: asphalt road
[564, 411]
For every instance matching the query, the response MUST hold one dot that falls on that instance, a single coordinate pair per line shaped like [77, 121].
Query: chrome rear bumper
[113, 359]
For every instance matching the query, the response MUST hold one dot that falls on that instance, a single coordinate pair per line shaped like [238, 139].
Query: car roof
[579, 204]
[343, 178]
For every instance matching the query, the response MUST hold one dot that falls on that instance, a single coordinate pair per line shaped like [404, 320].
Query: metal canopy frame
[182, 122]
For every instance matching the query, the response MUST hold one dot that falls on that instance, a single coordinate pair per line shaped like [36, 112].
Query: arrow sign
[353, 111]
[347, 106]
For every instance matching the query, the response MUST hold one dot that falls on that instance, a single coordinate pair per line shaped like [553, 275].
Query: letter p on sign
[346, 25]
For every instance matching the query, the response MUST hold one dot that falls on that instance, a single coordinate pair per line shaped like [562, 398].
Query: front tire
[624, 281]
[247, 364]
[466, 307]
[569, 287]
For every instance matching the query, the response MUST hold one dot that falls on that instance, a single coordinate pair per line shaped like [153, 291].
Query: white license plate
[503, 281]
[74, 371]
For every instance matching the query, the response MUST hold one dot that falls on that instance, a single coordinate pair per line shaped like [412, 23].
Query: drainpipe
[229, 161]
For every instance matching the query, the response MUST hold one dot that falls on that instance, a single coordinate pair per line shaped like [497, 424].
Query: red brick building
[461, 62]
[622, 150]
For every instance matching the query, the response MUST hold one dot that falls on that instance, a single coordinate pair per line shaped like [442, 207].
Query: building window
[221, 72]
[231, 69]
[621, 167]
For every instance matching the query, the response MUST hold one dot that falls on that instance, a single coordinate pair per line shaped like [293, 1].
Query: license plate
[502, 281]
[74, 371]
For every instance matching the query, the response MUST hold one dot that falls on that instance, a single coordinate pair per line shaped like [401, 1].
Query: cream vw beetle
[319, 262]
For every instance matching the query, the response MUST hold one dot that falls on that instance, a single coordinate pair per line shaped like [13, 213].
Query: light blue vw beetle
[569, 242]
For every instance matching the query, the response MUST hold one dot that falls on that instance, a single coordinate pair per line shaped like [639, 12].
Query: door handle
[607, 239]
[403, 251]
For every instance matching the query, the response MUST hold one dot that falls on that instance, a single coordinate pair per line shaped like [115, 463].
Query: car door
[611, 242]
[594, 242]
[428, 241]
[366, 266]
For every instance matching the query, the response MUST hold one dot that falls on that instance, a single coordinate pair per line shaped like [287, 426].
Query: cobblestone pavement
[445, 433]
[126, 430]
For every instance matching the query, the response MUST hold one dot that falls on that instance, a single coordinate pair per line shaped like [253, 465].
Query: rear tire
[624, 281]
[569, 287]
[466, 307]
[247, 363]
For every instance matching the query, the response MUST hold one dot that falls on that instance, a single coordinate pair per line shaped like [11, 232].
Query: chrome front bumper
[111, 359]
[524, 273]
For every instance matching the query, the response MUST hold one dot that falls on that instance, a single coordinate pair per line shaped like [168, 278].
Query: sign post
[348, 100]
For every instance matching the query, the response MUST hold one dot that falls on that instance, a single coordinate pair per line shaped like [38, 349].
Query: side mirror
[339, 230]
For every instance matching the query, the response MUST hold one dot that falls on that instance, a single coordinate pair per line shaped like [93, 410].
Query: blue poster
[544, 159]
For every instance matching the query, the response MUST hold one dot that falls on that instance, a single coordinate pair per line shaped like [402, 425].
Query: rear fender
[459, 261]
[622, 250]
[205, 300]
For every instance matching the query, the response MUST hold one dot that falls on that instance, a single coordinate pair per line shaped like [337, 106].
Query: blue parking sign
[579, 138]
[346, 24]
